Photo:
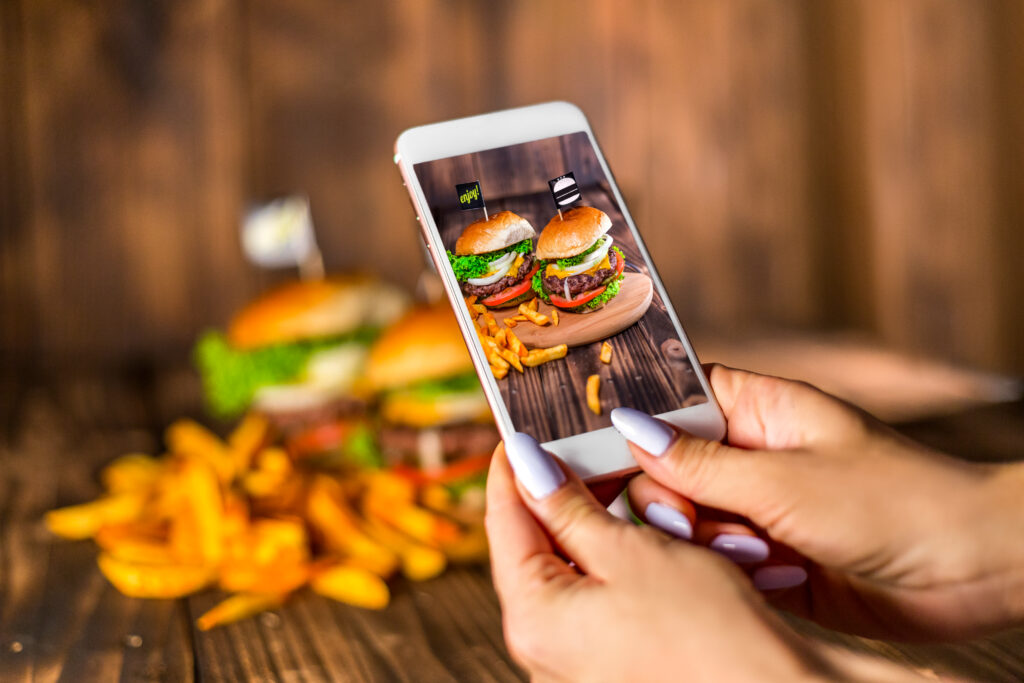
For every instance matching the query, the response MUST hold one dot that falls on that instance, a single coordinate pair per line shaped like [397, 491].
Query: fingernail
[654, 436]
[669, 519]
[739, 548]
[779, 576]
[533, 466]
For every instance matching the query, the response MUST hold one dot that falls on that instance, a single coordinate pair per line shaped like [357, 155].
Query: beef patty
[401, 444]
[584, 282]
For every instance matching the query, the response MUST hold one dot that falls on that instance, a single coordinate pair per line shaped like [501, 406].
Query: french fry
[606, 353]
[416, 522]
[593, 394]
[186, 437]
[238, 607]
[517, 318]
[538, 356]
[282, 575]
[510, 323]
[130, 473]
[352, 585]
[386, 485]
[554, 317]
[500, 338]
[419, 562]
[341, 530]
[144, 580]
[512, 358]
[205, 506]
[495, 359]
[499, 373]
[533, 316]
[517, 347]
[479, 308]
[85, 520]
[246, 440]
[470, 300]
[534, 304]
[470, 547]
[492, 326]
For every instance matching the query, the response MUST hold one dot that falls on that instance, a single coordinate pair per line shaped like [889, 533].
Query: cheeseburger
[294, 353]
[579, 270]
[493, 260]
[434, 414]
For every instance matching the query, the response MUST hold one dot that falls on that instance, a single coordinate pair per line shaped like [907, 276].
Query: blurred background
[808, 166]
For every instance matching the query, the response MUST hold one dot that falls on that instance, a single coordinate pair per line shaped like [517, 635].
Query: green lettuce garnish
[612, 288]
[433, 388]
[231, 377]
[538, 283]
[570, 261]
[476, 265]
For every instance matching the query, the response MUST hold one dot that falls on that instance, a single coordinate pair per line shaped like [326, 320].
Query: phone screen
[611, 318]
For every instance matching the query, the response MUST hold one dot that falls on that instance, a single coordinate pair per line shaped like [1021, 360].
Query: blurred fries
[503, 348]
[240, 514]
[593, 394]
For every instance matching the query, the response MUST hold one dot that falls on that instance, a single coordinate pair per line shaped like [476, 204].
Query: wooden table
[60, 620]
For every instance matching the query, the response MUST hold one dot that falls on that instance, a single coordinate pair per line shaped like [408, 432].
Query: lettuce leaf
[231, 377]
[476, 265]
[538, 283]
[433, 388]
[570, 261]
[611, 289]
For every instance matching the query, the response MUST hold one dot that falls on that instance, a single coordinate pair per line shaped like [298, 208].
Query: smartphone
[561, 307]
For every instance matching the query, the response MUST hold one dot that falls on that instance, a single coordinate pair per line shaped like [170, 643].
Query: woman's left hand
[634, 604]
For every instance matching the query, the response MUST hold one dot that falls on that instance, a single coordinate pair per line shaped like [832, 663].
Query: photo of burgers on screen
[579, 269]
[494, 260]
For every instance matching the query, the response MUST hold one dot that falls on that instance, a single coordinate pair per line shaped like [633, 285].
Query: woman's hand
[636, 605]
[899, 541]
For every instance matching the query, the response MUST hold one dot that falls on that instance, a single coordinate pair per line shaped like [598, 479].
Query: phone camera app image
[560, 293]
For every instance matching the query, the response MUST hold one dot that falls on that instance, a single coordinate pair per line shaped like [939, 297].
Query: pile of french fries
[242, 515]
[503, 347]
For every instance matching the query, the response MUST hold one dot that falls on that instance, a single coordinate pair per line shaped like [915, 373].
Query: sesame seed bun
[503, 229]
[314, 309]
[577, 229]
[426, 344]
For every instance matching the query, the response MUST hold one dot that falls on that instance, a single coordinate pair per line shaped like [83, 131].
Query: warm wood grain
[577, 329]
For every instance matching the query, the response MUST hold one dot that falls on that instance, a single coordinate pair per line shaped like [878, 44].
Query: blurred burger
[295, 353]
[579, 271]
[494, 261]
[435, 418]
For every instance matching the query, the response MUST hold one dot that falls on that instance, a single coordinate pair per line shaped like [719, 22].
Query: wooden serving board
[577, 329]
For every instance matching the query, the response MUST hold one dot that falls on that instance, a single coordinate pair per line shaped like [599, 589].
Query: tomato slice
[512, 292]
[319, 439]
[583, 298]
[463, 468]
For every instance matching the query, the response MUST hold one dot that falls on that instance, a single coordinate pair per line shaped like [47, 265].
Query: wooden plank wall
[812, 163]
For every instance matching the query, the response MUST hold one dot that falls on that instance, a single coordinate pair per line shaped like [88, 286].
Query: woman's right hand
[899, 541]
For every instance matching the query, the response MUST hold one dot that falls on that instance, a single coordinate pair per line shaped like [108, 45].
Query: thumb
[753, 484]
[577, 523]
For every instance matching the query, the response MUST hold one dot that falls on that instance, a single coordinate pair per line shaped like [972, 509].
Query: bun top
[503, 229]
[576, 230]
[316, 308]
[425, 344]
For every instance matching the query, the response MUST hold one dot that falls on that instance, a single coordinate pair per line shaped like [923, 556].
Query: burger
[435, 421]
[494, 261]
[295, 353]
[579, 269]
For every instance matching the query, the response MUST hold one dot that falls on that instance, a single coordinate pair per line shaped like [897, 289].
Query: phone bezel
[592, 455]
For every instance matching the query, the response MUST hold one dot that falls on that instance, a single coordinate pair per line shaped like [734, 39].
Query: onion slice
[592, 259]
[496, 270]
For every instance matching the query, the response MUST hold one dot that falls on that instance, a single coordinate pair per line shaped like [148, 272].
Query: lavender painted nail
[739, 548]
[669, 519]
[534, 467]
[654, 436]
[779, 576]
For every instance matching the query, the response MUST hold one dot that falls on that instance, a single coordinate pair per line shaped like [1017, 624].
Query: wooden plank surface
[60, 620]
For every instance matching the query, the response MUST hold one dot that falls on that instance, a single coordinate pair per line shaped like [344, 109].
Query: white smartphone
[561, 307]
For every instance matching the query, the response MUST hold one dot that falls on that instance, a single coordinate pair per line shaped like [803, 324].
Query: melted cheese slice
[514, 268]
[552, 269]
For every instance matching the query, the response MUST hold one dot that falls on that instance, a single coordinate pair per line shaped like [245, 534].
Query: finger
[661, 507]
[521, 553]
[750, 483]
[737, 542]
[577, 522]
[765, 412]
